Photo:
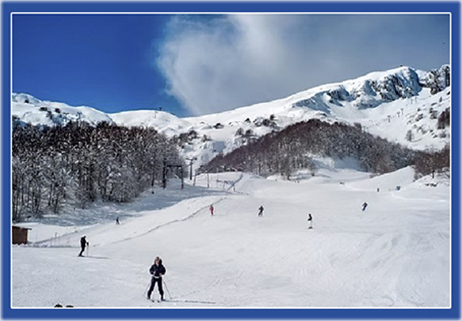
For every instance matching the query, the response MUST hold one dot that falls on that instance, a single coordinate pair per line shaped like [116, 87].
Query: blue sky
[103, 61]
[201, 64]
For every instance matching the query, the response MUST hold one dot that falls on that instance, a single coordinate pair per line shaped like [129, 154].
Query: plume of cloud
[214, 63]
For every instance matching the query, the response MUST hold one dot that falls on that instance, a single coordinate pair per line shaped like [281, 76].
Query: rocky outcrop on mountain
[437, 79]
[375, 89]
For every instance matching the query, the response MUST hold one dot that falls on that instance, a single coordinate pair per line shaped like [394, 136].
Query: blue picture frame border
[138, 7]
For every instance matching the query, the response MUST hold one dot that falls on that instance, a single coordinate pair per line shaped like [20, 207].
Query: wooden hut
[20, 234]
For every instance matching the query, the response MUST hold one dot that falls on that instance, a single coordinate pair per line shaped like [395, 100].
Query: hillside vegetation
[290, 150]
[78, 164]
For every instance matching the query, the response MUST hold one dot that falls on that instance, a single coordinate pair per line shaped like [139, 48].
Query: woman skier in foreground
[157, 270]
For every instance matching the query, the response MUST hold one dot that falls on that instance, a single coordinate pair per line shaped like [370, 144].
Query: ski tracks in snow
[136, 227]
[202, 210]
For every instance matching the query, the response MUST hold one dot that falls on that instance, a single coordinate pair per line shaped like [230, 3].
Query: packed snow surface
[396, 253]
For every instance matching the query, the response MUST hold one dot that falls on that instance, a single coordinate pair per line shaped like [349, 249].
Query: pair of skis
[183, 301]
[177, 300]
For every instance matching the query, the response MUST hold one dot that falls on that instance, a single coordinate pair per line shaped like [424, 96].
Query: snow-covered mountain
[28, 109]
[401, 105]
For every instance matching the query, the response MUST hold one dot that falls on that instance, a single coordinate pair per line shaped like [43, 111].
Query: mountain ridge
[400, 104]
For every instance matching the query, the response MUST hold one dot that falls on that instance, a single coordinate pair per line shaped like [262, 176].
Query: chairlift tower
[191, 161]
[165, 171]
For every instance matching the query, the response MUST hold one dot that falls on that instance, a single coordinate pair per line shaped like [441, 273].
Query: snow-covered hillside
[28, 109]
[396, 253]
[401, 105]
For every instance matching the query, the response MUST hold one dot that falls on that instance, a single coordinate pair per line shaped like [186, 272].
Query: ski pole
[146, 291]
[166, 288]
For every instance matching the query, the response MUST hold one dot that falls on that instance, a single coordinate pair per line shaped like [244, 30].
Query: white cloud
[214, 63]
[224, 62]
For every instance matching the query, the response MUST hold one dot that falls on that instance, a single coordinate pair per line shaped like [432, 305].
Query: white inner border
[230, 13]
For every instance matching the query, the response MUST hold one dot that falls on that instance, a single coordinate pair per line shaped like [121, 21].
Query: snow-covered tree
[79, 164]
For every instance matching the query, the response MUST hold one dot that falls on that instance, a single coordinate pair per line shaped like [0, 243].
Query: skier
[364, 206]
[117, 220]
[211, 209]
[157, 270]
[310, 219]
[83, 243]
[260, 213]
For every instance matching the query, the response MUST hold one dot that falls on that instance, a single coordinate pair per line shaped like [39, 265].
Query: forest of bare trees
[289, 150]
[78, 164]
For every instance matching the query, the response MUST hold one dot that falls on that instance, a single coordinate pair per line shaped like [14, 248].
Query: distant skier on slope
[310, 219]
[211, 210]
[83, 243]
[364, 206]
[157, 270]
[117, 221]
[260, 213]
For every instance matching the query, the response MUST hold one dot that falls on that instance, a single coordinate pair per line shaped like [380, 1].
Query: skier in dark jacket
[157, 270]
[83, 243]
[310, 219]
[364, 206]
[260, 213]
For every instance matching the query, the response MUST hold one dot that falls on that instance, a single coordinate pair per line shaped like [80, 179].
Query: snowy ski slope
[395, 254]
